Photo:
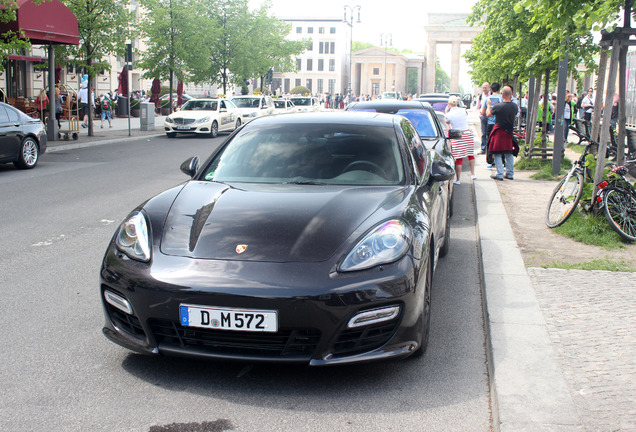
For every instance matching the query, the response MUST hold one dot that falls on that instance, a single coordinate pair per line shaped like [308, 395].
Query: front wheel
[564, 200]
[620, 211]
[238, 124]
[425, 317]
[29, 154]
[214, 129]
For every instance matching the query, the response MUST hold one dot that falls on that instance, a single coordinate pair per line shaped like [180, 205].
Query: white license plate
[183, 127]
[229, 318]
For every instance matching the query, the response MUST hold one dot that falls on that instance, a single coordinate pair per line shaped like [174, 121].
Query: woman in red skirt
[463, 147]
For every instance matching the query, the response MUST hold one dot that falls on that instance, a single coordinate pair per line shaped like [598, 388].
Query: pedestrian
[485, 87]
[106, 111]
[41, 103]
[491, 100]
[568, 114]
[587, 104]
[614, 117]
[501, 142]
[84, 101]
[464, 147]
[59, 109]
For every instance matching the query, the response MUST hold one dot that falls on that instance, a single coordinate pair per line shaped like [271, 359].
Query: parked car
[284, 106]
[304, 238]
[429, 127]
[22, 138]
[390, 95]
[185, 97]
[306, 103]
[203, 116]
[439, 101]
[254, 106]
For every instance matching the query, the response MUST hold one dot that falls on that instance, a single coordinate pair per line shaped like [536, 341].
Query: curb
[92, 143]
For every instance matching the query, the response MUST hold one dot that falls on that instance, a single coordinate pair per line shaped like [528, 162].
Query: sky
[403, 19]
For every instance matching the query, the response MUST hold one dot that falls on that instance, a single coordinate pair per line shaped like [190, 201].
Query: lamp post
[349, 21]
[386, 40]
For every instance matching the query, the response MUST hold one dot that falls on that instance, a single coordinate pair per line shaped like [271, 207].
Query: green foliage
[300, 90]
[590, 228]
[597, 264]
[359, 46]
[10, 41]
[442, 80]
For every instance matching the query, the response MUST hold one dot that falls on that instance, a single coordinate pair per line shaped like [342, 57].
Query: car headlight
[133, 238]
[385, 244]
[169, 120]
[204, 120]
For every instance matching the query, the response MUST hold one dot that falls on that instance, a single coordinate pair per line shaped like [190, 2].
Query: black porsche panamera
[308, 238]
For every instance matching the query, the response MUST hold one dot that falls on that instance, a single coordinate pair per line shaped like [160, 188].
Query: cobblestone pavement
[591, 320]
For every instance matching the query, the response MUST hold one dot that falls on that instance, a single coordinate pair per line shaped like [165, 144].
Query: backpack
[578, 103]
[106, 104]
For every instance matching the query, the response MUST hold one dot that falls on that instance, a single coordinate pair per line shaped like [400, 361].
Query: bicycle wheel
[620, 210]
[564, 200]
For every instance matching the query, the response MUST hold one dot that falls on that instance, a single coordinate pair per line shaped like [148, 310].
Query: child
[105, 104]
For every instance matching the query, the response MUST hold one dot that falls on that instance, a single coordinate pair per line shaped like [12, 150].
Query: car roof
[340, 117]
[389, 106]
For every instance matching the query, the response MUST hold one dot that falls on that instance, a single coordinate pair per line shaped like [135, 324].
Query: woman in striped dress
[463, 147]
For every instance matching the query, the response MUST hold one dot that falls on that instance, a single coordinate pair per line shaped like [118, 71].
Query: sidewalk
[106, 135]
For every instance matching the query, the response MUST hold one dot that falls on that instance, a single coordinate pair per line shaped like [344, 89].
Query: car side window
[4, 117]
[13, 115]
[415, 145]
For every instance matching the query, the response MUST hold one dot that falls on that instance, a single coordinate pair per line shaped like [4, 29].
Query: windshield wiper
[304, 182]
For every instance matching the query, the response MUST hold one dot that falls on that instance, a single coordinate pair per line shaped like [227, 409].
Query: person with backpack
[106, 108]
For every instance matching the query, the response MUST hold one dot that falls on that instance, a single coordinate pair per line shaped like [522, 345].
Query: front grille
[363, 339]
[285, 342]
[123, 321]
[182, 121]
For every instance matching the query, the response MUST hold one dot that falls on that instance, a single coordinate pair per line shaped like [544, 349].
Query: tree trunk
[532, 113]
[600, 85]
[544, 120]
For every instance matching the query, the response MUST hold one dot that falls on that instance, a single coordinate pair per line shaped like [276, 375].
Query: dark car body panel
[296, 237]
[14, 127]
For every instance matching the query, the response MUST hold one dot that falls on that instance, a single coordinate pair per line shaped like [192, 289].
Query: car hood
[193, 114]
[274, 223]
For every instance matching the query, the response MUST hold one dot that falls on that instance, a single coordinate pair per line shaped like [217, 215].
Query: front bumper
[314, 306]
[203, 128]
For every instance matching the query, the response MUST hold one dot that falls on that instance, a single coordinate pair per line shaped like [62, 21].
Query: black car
[433, 132]
[308, 238]
[439, 101]
[22, 138]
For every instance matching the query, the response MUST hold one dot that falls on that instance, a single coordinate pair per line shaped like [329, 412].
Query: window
[297, 82]
[287, 85]
[299, 29]
[308, 83]
[321, 64]
[320, 89]
[321, 30]
[376, 71]
[311, 46]
[332, 45]
[310, 29]
[310, 64]
[332, 65]
[332, 30]
[299, 63]
[332, 86]
[321, 48]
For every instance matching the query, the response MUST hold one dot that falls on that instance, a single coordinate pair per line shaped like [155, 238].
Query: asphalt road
[58, 373]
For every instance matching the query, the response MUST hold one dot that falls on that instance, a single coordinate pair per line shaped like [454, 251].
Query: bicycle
[617, 197]
[567, 193]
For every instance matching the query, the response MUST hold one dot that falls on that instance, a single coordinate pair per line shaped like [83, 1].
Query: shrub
[300, 90]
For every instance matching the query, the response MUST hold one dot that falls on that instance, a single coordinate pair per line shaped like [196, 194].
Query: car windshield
[200, 105]
[246, 102]
[279, 104]
[310, 154]
[422, 120]
[302, 101]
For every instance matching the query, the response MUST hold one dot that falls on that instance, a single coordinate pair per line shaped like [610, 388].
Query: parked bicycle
[617, 197]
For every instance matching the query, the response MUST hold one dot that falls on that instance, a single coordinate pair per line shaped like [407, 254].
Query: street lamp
[386, 40]
[349, 21]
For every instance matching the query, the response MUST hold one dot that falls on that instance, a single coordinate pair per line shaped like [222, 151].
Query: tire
[620, 211]
[238, 124]
[564, 200]
[214, 129]
[29, 154]
[446, 246]
[425, 317]
[171, 134]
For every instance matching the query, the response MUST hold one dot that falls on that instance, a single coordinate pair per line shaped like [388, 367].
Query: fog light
[374, 316]
[118, 301]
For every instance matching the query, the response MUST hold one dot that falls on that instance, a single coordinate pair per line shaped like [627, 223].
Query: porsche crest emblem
[241, 248]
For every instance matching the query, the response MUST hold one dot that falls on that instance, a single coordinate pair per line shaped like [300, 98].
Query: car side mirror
[441, 171]
[455, 133]
[190, 166]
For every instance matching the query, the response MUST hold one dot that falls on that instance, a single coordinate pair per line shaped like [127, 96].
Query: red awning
[26, 58]
[44, 23]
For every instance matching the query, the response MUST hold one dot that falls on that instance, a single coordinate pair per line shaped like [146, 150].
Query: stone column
[456, 52]
[431, 61]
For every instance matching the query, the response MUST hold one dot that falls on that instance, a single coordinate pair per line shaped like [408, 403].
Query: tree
[172, 30]
[103, 27]
[442, 80]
